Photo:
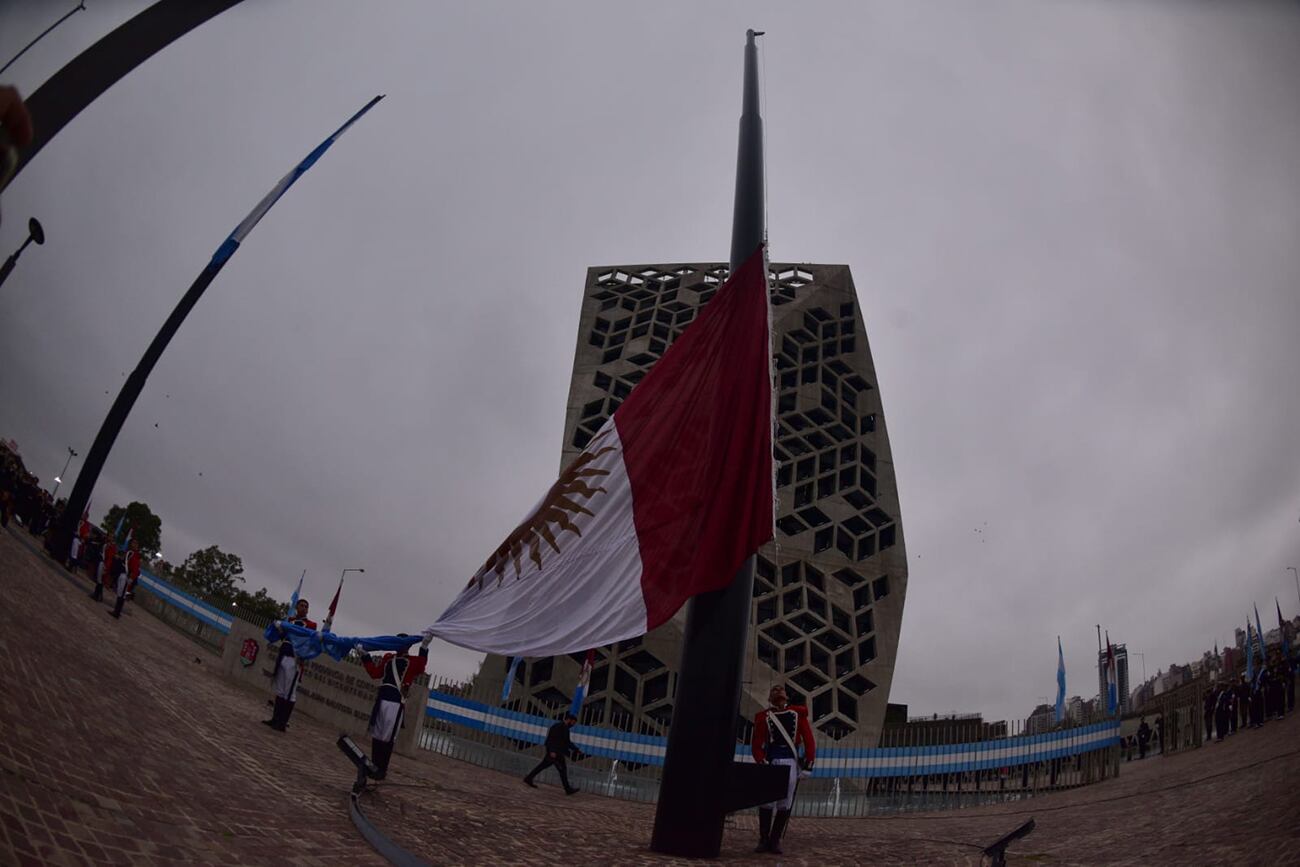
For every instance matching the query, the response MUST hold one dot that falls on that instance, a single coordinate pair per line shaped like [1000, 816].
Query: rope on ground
[389, 850]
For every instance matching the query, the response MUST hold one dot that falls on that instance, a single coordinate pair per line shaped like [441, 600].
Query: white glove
[358, 649]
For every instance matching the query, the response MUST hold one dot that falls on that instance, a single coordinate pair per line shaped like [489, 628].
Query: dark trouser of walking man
[558, 747]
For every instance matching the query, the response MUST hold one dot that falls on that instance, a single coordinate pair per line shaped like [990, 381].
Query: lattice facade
[828, 593]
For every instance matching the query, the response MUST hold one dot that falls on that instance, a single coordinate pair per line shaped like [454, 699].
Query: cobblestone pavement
[125, 746]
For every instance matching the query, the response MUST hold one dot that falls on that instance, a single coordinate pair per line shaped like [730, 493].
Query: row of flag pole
[1254, 645]
[334, 603]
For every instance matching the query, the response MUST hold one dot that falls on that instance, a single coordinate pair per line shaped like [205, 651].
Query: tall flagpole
[99, 67]
[46, 32]
[700, 773]
[126, 398]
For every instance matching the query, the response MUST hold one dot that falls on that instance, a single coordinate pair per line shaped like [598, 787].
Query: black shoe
[775, 848]
[571, 791]
[528, 782]
[268, 722]
[763, 846]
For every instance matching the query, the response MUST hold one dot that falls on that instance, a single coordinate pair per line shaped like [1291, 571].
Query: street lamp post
[34, 233]
[58, 480]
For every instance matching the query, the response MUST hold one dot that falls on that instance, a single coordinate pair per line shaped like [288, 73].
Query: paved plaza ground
[121, 744]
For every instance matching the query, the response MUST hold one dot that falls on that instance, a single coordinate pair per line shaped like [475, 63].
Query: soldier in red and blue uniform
[288, 671]
[779, 731]
[395, 672]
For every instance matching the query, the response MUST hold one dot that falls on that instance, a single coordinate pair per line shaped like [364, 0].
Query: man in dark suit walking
[558, 746]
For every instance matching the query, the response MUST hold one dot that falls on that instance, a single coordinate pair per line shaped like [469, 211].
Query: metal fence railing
[921, 767]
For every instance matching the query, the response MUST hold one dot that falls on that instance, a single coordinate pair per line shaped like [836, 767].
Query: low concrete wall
[211, 637]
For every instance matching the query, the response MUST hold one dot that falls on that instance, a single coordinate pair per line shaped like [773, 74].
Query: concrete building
[950, 728]
[828, 593]
[1043, 719]
[1121, 667]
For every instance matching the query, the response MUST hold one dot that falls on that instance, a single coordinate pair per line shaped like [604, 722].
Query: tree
[212, 572]
[260, 603]
[146, 526]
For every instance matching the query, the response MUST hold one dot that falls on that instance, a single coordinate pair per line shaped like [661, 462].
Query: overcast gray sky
[1074, 228]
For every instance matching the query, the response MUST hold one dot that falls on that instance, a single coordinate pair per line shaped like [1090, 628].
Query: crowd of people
[1229, 705]
[22, 497]
[1245, 704]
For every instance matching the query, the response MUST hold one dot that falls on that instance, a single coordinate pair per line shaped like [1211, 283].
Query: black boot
[274, 721]
[117, 606]
[98, 593]
[764, 829]
[381, 753]
[778, 831]
[280, 716]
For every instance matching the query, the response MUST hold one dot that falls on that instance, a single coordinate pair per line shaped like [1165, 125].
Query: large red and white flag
[666, 501]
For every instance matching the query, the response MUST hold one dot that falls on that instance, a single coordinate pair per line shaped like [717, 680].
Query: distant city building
[1074, 708]
[951, 728]
[1041, 720]
[1121, 667]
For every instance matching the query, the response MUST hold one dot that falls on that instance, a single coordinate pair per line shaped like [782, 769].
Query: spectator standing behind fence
[1207, 711]
[1288, 679]
[1223, 710]
[1276, 697]
[1243, 702]
[1144, 737]
[558, 747]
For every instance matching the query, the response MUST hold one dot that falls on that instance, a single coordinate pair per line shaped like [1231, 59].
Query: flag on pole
[584, 678]
[293, 600]
[1060, 682]
[130, 531]
[334, 605]
[510, 678]
[1250, 654]
[666, 501]
[231, 244]
[1281, 631]
[117, 531]
[1112, 679]
[1259, 636]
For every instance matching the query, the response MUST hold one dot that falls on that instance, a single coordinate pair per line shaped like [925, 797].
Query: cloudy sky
[1074, 228]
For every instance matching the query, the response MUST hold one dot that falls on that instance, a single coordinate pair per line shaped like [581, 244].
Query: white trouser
[287, 677]
[784, 803]
[388, 717]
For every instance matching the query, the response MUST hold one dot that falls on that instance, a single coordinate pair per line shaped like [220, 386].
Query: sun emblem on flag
[554, 516]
